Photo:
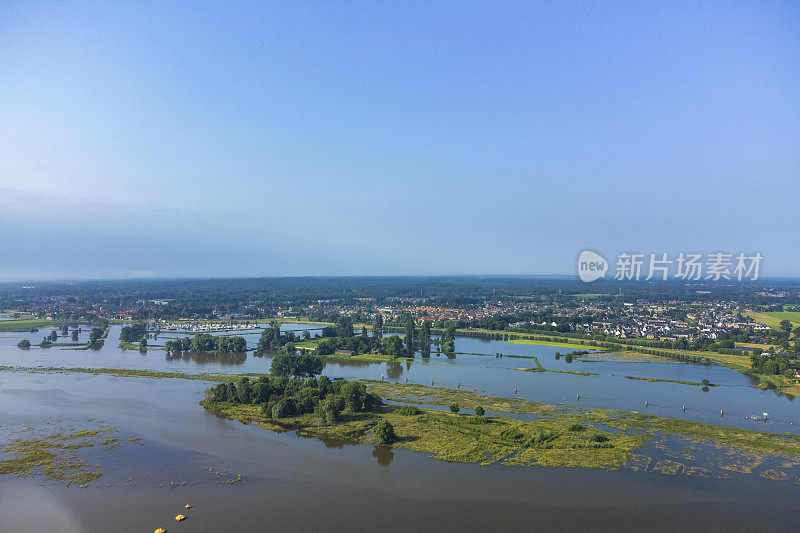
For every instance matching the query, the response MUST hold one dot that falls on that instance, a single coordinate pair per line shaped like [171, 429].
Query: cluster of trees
[421, 338]
[96, 338]
[203, 342]
[778, 364]
[50, 339]
[281, 397]
[296, 366]
[133, 333]
[449, 338]
[273, 340]
[568, 357]
[342, 337]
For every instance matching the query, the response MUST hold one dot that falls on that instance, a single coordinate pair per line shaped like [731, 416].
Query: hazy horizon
[147, 140]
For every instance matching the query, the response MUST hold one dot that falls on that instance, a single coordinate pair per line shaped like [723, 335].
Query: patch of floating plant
[667, 466]
[225, 477]
[59, 453]
[741, 461]
[638, 462]
[776, 475]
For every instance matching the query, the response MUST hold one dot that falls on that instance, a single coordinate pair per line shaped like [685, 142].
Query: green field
[555, 344]
[792, 316]
[27, 324]
[773, 319]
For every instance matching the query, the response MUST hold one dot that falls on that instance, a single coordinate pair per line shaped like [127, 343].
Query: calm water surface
[485, 373]
[300, 484]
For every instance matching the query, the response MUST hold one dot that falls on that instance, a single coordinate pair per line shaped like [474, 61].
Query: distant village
[626, 320]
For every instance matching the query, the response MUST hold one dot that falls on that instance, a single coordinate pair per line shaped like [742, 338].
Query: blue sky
[346, 138]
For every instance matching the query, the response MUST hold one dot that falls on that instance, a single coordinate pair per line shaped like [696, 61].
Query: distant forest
[203, 296]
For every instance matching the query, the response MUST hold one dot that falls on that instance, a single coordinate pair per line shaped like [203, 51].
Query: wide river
[291, 483]
[489, 374]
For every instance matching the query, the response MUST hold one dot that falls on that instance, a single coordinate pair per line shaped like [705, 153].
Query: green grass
[657, 380]
[537, 368]
[575, 372]
[571, 345]
[131, 346]
[791, 316]
[773, 319]
[548, 440]
[540, 368]
[131, 373]
[457, 438]
[311, 344]
[26, 325]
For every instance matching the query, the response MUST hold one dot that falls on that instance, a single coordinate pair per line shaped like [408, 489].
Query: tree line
[282, 397]
[203, 342]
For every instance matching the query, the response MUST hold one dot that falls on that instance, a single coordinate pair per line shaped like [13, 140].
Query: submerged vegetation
[704, 383]
[540, 368]
[58, 455]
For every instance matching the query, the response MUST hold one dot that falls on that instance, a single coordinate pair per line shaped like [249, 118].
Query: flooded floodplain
[169, 452]
[608, 384]
[188, 456]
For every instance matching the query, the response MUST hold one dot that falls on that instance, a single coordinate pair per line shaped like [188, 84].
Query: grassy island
[553, 436]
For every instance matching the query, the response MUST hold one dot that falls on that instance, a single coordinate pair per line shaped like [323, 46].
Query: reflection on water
[295, 484]
[384, 454]
[204, 358]
[394, 370]
[477, 367]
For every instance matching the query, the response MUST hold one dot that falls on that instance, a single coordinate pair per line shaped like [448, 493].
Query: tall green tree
[298, 366]
[344, 327]
[410, 331]
[425, 339]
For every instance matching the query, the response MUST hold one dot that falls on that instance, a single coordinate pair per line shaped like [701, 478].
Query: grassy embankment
[657, 380]
[540, 368]
[130, 373]
[741, 363]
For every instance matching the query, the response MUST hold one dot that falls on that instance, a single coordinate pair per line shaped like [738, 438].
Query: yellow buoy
[161, 530]
[179, 518]
[188, 506]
